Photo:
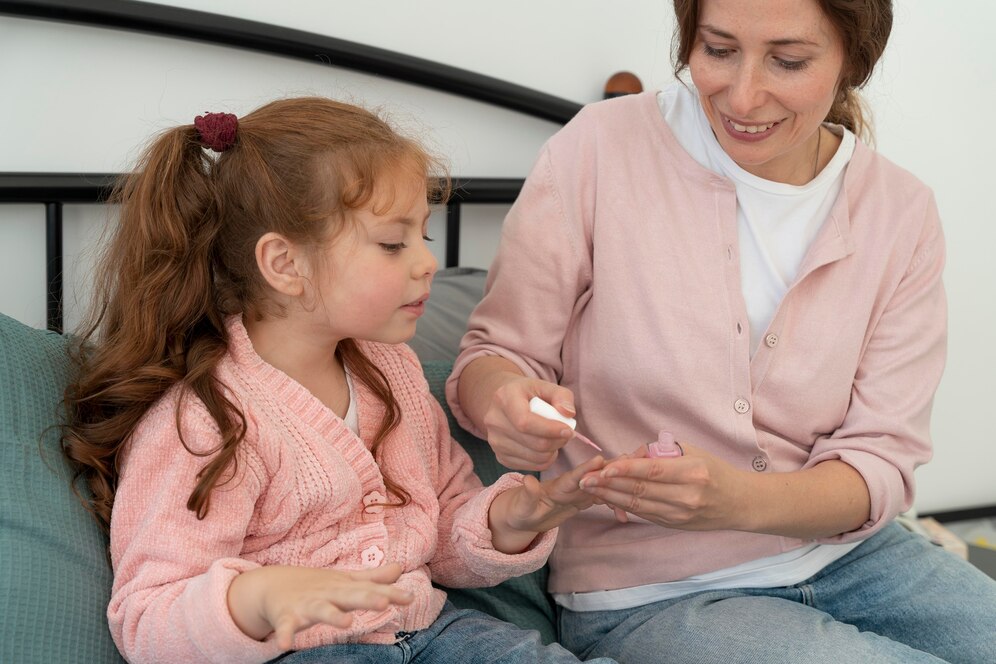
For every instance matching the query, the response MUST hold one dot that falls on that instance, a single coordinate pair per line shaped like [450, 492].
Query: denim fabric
[458, 635]
[895, 598]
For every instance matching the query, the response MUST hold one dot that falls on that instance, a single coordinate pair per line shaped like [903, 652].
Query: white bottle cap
[543, 409]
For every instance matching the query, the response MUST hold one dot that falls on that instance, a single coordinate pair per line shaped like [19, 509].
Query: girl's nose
[425, 263]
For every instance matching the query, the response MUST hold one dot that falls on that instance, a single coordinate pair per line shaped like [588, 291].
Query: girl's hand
[521, 439]
[697, 491]
[286, 600]
[518, 515]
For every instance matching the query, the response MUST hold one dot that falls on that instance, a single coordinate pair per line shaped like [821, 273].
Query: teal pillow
[522, 600]
[55, 578]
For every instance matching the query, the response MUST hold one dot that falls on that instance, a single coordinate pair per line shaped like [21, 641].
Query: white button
[771, 340]
[759, 464]
[371, 556]
[372, 502]
[741, 406]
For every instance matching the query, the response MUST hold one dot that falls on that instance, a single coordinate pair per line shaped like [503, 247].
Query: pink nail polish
[664, 447]
[586, 440]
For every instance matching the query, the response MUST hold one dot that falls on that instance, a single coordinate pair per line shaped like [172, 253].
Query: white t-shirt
[776, 223]
[351, 419]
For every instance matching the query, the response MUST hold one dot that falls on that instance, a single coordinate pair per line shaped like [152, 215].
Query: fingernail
[609, 472]
[568, 407]
[566, 433]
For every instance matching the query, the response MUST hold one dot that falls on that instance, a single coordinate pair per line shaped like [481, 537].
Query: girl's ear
[282, 264]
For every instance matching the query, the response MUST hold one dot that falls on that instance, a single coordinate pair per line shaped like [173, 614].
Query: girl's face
[767, 73]
[376, 274]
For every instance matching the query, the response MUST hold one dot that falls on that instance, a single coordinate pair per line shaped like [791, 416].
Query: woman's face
[767, 73]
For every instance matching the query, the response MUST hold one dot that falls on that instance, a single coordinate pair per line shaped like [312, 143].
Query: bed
[54, 572]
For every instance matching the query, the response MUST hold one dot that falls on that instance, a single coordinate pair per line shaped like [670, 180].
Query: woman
[729, 263]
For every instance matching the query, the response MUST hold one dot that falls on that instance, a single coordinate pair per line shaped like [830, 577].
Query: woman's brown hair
[863, 27]
[182, 258]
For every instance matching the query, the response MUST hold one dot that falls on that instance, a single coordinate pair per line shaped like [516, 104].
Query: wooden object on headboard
[622, 83]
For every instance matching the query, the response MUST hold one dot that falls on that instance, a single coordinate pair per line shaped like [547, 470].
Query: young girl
[274, 471]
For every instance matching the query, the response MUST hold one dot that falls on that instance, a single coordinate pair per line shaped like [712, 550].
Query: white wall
[82, 99]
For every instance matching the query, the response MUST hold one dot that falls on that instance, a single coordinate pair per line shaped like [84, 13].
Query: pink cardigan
[618, 277]
[305, 493]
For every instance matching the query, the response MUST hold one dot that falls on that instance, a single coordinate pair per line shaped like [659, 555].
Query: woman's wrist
[478, 383]
[822, 501]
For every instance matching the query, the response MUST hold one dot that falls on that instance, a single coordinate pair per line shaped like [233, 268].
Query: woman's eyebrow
[785, 41]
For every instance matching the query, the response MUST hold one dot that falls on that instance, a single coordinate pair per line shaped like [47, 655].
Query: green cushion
[55, 578]
[522, 600]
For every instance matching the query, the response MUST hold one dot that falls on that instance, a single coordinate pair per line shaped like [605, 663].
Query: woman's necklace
[816, 162]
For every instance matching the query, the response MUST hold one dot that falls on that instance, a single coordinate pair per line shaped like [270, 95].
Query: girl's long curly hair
[181, 259]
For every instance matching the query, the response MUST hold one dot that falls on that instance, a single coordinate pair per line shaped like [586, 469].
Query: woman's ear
[282, 264]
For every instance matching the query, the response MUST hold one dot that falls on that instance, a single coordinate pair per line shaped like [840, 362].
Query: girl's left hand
[696, 491]
[518, 515]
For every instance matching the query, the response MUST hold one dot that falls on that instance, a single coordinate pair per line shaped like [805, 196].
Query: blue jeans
[895, 598]
[457, 635]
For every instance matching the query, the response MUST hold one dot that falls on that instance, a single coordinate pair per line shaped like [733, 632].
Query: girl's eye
[393, 248]
[792, 65]
[718, 53]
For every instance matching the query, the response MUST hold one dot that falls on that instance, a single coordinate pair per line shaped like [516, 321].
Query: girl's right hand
[286, 599]
[521, 439]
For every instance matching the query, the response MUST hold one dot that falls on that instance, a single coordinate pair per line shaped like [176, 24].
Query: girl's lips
[417, 307]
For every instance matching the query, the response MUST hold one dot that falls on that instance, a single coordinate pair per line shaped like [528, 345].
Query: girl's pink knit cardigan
[306, 491]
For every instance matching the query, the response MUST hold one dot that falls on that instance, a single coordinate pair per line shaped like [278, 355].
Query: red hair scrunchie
[217, 130]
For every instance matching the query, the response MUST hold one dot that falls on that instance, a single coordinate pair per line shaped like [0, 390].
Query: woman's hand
[286, 600]
[519, 514]
[699, 491]
[696, 491]
[521, 439]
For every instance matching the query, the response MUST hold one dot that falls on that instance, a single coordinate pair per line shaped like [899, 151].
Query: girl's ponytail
[155, 321]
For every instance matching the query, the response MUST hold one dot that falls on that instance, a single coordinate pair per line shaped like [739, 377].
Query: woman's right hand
[521, 439]
[286, 599]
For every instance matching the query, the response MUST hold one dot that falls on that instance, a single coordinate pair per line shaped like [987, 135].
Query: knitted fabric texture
[306, 492]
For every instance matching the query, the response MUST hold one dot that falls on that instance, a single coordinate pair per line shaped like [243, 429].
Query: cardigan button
[742, 406]
[372, 502]
[371, 556]
[771, 340]
[759, 464]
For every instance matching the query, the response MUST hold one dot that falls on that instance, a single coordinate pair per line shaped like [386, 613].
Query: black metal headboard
[53, 190]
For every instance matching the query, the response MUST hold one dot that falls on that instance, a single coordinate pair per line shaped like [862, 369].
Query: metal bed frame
[53, 190]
